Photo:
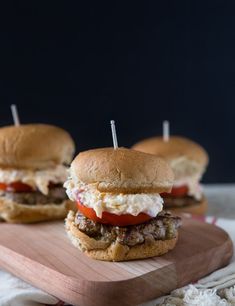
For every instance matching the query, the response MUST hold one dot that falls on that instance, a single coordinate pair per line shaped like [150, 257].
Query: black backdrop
[80, 64]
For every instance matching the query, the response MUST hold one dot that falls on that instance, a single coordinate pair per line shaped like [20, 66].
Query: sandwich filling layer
[162, 227]
[188, 173]
[33, 187]
[118, 204]
[183, 201]
[56, 195]
[194, 188]
[37, 179]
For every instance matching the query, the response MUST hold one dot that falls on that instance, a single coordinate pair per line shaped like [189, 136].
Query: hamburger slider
[188, 160]
[33, 159]
[120, 211]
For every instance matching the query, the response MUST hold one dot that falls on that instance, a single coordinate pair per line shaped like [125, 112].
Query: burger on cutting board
[188, 160]
[33, 168]
[120, 211]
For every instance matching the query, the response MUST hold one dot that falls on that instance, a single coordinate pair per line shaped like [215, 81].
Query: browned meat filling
[179, 201]
[162, 227]
[56, 195]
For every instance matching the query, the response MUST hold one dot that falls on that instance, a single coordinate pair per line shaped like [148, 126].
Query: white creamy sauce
[119, 204]
[38, 179]
[189, 173]
[194, 188]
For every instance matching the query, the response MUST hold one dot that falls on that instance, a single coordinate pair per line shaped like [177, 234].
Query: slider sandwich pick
[166, 130]
[115, 143]
[15, 115]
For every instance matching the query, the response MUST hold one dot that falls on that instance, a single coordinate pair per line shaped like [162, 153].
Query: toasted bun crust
[175, 148]
[13, 212]
[34, 146]
[199, 209]
[116, 251]
[122, 170]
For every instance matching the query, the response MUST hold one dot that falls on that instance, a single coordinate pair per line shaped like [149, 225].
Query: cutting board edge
[72, 284]
[74, 288]
[79, 291]
[222, 261]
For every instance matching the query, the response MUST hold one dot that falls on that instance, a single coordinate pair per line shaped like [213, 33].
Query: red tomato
[112, 219]
[176, 192]
[3, 186]
[16, 187]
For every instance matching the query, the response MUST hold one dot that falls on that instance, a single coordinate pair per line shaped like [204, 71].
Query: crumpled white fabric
[15, 292]
[192, 296]
[220, 279]
[229, 294]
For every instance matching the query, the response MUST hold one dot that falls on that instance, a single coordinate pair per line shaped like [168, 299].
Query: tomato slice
[112, 219]
[3, 186]
[176, 192]
[16, 187]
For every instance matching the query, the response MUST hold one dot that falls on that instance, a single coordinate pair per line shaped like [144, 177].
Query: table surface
[221, 200]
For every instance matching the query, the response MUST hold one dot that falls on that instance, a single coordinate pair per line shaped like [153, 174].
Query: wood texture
[42, 255]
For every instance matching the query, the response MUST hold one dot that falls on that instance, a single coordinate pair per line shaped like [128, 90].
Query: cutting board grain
[42, 255]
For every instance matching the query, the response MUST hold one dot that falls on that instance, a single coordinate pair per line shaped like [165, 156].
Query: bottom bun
[114, 252]
[14, 212]
[199, 208]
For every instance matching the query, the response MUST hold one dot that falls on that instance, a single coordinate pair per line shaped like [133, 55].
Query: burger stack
[33, 167]
[120, 212]
[188, 160]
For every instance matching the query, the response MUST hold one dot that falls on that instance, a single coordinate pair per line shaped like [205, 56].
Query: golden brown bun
[116, 251]
[199, 208]
[122, 170]
[13, 212]
[34, 146]
[174, 148]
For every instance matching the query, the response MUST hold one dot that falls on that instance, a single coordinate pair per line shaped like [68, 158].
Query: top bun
[176, 147]
[186, 158]
[122, 170]
[34, 146]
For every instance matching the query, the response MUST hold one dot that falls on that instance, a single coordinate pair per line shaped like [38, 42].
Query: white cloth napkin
[15, 292]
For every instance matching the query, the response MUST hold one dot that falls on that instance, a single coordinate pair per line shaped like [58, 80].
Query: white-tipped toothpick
[115, 143]
[166, 130]
[15, 115]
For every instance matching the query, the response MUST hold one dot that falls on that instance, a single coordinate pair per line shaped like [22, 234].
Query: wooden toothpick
[15, 115]
[166, 130]
[115, 142]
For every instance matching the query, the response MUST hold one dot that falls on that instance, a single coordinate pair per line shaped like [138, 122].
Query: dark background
[78, 65]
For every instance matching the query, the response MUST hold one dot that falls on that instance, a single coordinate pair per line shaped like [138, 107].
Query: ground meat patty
[56, 195]
[180, 201]
[162, 227]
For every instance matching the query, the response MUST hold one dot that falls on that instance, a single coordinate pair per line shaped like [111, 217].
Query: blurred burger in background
[33, 168]
[188, 160]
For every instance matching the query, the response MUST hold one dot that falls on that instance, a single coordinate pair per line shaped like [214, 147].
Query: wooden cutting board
[42, 255]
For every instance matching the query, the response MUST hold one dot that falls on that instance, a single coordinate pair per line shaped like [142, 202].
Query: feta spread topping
[115, 203]
[189, 173]
[38, 179]
[194, 188]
